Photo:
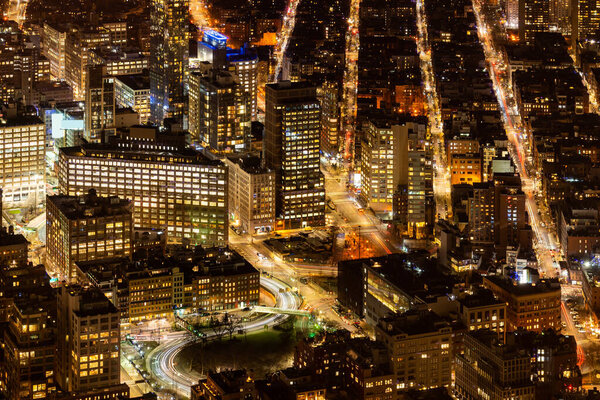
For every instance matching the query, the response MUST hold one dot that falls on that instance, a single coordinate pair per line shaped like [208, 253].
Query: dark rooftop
[90, 205]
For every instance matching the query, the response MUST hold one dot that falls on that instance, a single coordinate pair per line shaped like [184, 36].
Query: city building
[89, 340]
[133, 91]
[119, 62]
[291, 149]
[420, 347]
[78, 44]
[85, 227]
[330, 117]
[482, 310]
[219, 112]
[29, 336]
[532, 306]
[585, 19]
[13, 248]
[174, 188]
[489, 369]
[251, 195]
[23, 154]
[168, 58]
[529, 365]
[229, 384]
[465, 168]
[53, 38]
[100, 104]
[244, 65]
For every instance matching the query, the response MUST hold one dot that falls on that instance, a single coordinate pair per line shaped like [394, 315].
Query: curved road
[161, 361]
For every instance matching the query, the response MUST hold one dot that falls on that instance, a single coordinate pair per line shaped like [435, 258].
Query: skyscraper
[291, 148]
[219, 114]
[168, 58]
[585, 19]
[100, 104]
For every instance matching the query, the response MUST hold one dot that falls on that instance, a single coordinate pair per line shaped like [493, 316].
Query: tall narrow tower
[168, 58]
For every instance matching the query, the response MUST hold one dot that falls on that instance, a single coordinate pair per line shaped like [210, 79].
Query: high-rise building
[534, 17]
[168, 58]
[219, 114]
[134, 91]
[420, 347]
[244, 64]
[23, 152]
[330, 117]
[29, 339]
[89, 340]
[100, 104]
[174, 188]
[510, 211]
[397, 173]
[251, 195]
[291, 149]
[384, 161]
[84, 228]
[77, 50]
[481, 212]
[585, 19]
[53, 38]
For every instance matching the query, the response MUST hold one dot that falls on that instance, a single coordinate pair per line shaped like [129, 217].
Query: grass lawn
[262, 352]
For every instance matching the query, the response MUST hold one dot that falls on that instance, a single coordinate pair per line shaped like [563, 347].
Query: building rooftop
[413, 322]
[524, 289]
[481, 298]
[91, 301]
[135, 81]
[249, 163]
[141, 152]
[90, 205]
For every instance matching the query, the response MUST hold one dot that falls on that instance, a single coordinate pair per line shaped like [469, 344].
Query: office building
[119, 62]
[200, 280]
[330, 117]
[219, 112]
[244, 65]
[490, 370]
[133, 91]
[291, 149]
[585, 19]
[420, 347]
[77, 50]
[229, 384]
[13, 248]
[251, 195]
[29, 336]
[180, 190]
[53, 38]
[89, 340]
[100, 104]
[168, 58]
[531, 306]
[23, 151]
[481, 212]
[87, 227]
[395, 154]
[481, 310]
[465, 168]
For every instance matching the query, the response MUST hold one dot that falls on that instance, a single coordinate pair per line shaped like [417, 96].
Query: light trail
[162, 361]
[441, 182]
[17, 11]
[515, 134]
[200, 15]
[350, 88]
[283, 37]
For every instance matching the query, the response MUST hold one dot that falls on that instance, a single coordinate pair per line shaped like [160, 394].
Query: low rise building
[532, 306]
[420, 347]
